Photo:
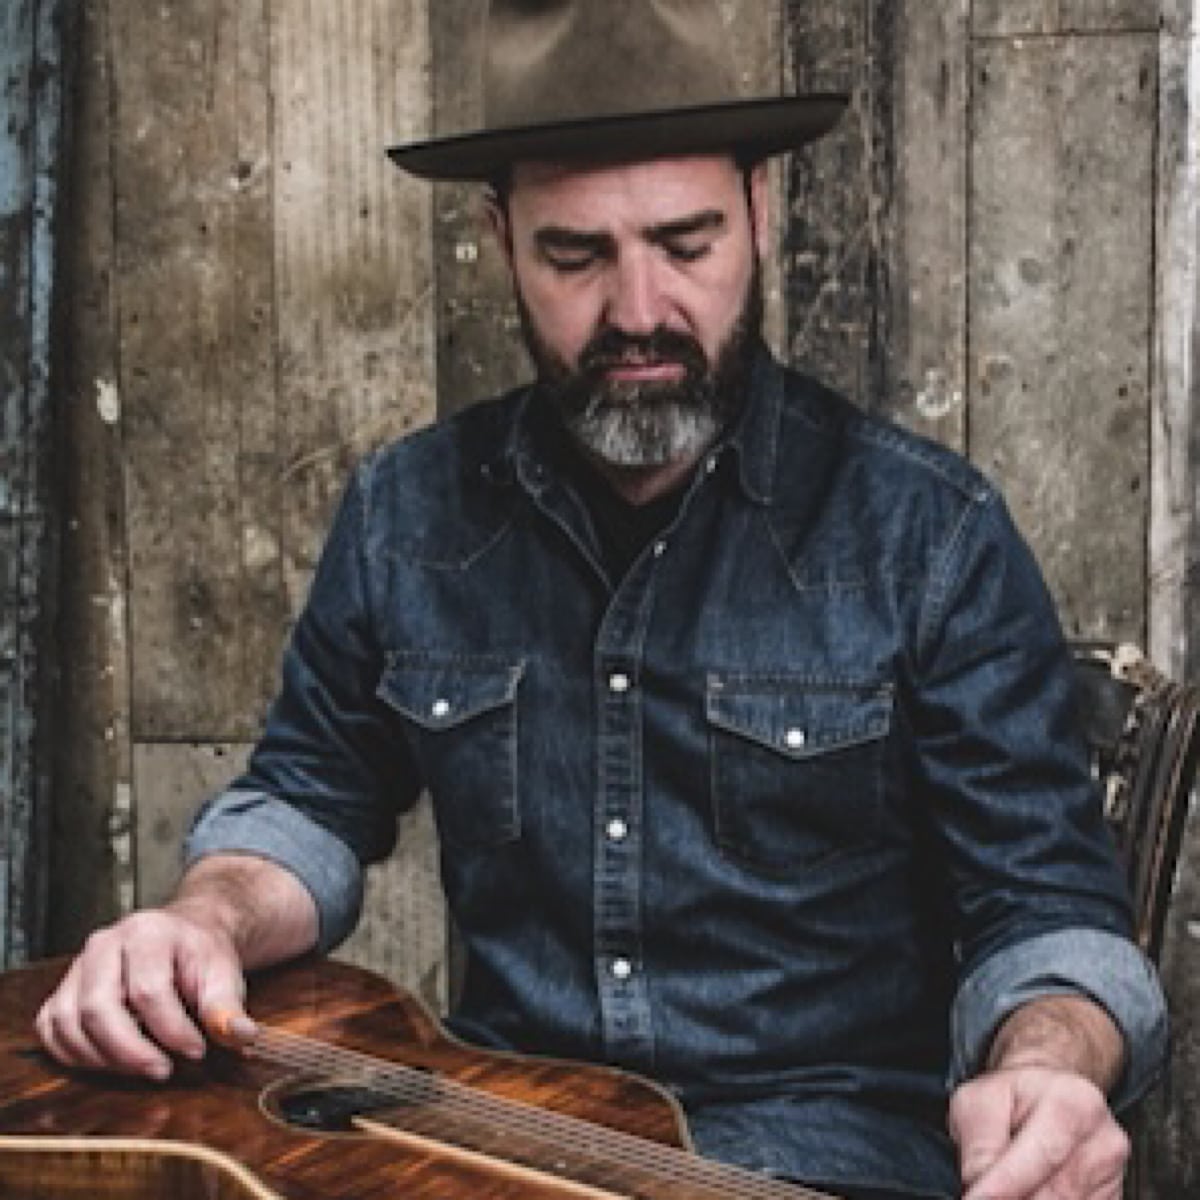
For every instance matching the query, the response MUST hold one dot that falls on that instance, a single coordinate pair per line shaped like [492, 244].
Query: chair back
[1144, 733]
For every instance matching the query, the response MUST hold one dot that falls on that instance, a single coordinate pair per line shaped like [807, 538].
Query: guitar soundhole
[328, 1107]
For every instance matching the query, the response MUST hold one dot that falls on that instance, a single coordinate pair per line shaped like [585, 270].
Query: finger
[57, 1024]
[153, 997]
[1058, 1141]
[213, 977]
[981, 1120]
[121, 999]
[85, 1022]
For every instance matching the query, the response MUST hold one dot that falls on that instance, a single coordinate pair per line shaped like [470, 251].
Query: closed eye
[687, 251]
[571, 251]
[570, 263]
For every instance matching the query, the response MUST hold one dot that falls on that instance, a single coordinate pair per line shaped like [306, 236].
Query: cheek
[565, 319]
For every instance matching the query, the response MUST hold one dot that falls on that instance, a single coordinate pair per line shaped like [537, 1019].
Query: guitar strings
[563, 1133]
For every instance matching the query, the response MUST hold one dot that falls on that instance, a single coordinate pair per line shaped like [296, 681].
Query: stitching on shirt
[940, 578]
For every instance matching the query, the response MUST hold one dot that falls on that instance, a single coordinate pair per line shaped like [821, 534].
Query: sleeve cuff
[1107, 968]
[252, 822]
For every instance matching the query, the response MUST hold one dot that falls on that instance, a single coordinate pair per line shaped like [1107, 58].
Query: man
[746, 718]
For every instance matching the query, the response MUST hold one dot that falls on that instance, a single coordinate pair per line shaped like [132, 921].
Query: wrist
[1061, 1033]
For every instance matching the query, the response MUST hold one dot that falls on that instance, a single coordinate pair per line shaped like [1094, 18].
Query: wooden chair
[1144, 731]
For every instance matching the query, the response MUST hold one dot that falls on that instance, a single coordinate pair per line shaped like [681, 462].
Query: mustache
[613, 348]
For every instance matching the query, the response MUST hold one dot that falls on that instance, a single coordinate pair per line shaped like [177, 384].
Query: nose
[636, 302]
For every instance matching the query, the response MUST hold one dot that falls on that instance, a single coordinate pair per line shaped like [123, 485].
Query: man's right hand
[142, 991]
[149, 987]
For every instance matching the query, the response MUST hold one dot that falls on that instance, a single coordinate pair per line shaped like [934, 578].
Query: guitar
[351, 1092]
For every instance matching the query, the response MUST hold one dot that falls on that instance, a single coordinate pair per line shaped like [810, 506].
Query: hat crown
[562, 60]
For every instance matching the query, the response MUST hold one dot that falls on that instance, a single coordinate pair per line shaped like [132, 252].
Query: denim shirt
[787, 818]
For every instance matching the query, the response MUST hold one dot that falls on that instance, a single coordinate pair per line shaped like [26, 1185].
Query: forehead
[643, 192]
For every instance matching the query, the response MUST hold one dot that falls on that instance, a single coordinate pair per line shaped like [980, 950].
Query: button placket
[626, 1026]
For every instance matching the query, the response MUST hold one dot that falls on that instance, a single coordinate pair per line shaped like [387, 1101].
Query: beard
[649, 423]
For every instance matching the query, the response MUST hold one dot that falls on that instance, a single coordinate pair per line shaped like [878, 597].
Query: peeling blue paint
[31, 135]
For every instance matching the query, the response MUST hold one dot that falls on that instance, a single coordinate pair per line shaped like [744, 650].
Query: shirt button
[618, 682]
[621, 968]
[660, 548]
[795, 739]
[617, 830]
[441, 708]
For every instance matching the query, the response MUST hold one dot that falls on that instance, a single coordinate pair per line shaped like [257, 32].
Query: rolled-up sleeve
[1105, 967]
[245, 822]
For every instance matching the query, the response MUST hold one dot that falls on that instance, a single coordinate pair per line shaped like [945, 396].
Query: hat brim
[754, 128]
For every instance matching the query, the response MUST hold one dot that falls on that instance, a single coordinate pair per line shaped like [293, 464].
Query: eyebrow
[701, 222]
[559, 237]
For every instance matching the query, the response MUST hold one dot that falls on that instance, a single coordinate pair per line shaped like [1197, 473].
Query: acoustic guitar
[351, 1092]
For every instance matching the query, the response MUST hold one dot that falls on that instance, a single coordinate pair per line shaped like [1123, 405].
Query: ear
[760, 207]
[498, 222]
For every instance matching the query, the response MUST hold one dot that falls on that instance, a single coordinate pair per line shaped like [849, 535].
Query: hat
[613, 79]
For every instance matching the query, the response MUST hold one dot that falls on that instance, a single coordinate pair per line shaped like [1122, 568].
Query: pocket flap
[797, 716]
[440, 693]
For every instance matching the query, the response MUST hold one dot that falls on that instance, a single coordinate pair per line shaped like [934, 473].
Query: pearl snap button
[621, 968]
[441, 708]
[619, 682]
[795, 739]
[617, 830]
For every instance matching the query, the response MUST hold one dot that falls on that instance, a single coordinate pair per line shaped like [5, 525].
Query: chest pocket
[461, 717]
[797, 766]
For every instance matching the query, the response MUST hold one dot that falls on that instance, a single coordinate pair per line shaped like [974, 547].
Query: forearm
[1065, 1033]
[263, 909]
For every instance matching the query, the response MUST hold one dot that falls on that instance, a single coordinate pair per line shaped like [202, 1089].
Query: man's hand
[1036, 1125]
[140, 991]
[1029, 1133]
[152, 985]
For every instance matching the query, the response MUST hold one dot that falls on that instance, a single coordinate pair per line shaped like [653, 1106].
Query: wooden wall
[998, 246]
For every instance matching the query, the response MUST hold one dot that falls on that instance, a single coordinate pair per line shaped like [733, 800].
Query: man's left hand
[1037, 1133]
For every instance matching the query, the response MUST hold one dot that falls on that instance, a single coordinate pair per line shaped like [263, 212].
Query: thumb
[221, 1006]
[229, 1025]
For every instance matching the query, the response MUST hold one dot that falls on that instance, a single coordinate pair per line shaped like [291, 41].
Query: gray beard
[649, 424]
[634, 428]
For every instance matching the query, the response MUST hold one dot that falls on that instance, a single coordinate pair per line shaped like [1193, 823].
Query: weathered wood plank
[194, 286]
[1174, 580]
[1169, 1142]
[33, 37]
[831, 245]
[479, 350]
[170, 780]
[1061, 278]
[877, 266]
[352, 260]
[1001, 18]
[92, 843]
[16, 201]
[924, 332]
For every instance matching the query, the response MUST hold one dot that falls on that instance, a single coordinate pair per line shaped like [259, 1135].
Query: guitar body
[214, 1130]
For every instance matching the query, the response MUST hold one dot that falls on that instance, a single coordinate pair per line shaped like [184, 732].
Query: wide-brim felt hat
[614, 80]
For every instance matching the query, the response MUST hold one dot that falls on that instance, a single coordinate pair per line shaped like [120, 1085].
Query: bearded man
[746, 718]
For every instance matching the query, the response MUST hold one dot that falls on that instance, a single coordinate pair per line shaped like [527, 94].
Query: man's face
[639, 292]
